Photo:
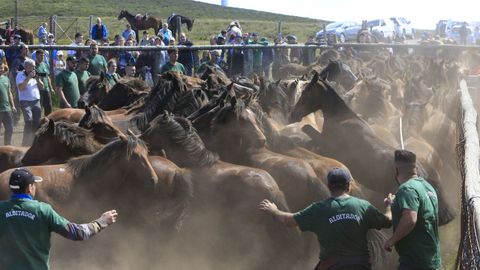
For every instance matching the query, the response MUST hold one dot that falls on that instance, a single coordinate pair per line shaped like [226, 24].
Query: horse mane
[164, 96]
[79, 140]
[338, 102]
[134, 85]
[91, 165]
[96, 79]
[184, 136]
[236, 109]
[95, 115]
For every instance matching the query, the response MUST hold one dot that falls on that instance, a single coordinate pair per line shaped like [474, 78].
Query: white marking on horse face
[61, 170]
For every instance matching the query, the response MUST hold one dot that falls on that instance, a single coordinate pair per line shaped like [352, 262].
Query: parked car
[341, 31]
[454, 34]
[406, 28]
[383, 28]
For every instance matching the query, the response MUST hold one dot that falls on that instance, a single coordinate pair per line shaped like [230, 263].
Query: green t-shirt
[420, 249]
[178, 67]
[69, 83]
[82, 77]
[43, 68]
[97, 64]
[4, 93]
[112, 78]
[25, 227]
[341, 225]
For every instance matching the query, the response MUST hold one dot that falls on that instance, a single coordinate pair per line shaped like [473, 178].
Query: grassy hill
[209, 19]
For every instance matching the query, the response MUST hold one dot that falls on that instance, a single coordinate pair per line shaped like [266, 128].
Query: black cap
[339, 176]
[20, 178]
[71, 58]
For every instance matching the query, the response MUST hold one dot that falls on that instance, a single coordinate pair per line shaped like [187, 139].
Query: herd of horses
[189, 160]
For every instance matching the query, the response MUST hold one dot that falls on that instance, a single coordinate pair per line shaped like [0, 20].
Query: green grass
[209, 19]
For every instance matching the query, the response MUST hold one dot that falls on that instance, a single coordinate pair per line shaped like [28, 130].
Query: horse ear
[315, 77]
[51, 125]
[87, 110]
[233, 101]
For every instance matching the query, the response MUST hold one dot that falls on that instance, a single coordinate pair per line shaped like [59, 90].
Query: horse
[360, 147]
[99, 123]
[139, 22]
[172, 94]
[26, 35]
[123, 93]
[11, 156]
[222, 186]
[121, 168]
[173, 23]
[59, 140]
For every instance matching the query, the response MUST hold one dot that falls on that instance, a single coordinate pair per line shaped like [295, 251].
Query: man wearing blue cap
[340, 222]
[26, 224]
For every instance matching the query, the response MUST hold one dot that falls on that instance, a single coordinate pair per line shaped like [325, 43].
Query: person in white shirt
[29, 85]
[78, 42]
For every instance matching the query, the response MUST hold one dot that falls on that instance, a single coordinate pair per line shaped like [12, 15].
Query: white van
[382, 27]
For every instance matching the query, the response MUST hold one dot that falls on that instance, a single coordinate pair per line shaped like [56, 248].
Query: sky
[424, 14]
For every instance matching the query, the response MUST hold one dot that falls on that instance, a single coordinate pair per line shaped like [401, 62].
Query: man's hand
[31, 74]
[67, 105]
[268, 206]
[14, 109]
[389, 199]
[107, 218]
[389, 245]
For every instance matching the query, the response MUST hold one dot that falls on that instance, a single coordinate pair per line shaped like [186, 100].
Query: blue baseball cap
[22, 177]
[339, 176]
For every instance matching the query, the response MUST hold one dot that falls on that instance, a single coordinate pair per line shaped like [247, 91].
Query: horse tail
[379, 257]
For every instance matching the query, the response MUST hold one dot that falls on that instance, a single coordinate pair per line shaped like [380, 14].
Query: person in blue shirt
[129, 31]
[42, 33]
[99, 30]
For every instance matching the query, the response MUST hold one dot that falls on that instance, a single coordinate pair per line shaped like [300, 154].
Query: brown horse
[139, 22]
[57, 142]
[11, 156]
[351, 140]
[120, 170]
[173, 23]
[122, 94]
[25, 34]
[221, 186]
[99, 123]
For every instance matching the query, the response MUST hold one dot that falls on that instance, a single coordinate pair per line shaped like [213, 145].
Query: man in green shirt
[67, 85]
[172, 64]
[415, 217]
[82, 74]
[26, 225]
[97, 61]
[6, 105]
[340, 222]
[43, 72]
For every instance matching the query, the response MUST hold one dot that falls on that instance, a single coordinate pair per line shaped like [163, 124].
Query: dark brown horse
[11, 156]
[100, 124]
[26, 35]
[221, 187]
[123, 93]
[173, 23]
[139, 22]
[61, 141]
[351, 140]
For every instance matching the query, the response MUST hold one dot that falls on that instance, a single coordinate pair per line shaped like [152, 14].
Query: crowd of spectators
[71, 69]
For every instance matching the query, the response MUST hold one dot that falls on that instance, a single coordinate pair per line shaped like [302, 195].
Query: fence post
[16, 12]
[53, 25]
[279, 29]
[90, 20]
[179, 26]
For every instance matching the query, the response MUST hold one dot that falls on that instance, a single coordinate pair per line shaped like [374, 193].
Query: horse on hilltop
[140, 22]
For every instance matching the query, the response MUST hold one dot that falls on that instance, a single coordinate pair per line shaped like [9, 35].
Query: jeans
[46, 100]
[6, 118]
[31, 115]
